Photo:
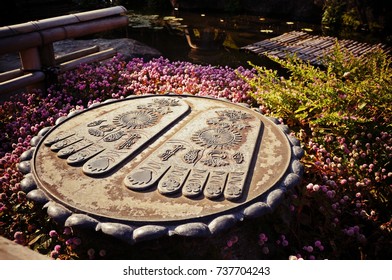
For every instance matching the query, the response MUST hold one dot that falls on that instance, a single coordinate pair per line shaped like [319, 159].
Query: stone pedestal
[148, 166]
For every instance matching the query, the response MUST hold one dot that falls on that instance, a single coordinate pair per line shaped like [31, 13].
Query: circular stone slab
[147, 166]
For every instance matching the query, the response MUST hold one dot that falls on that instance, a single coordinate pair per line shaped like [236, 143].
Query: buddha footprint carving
[210, 156]
[101, 144]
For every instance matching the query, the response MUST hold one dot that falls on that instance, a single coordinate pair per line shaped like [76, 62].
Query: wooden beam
[10, 75]
[21, 82]
[47, 36]
[105, 54]
[77, 54]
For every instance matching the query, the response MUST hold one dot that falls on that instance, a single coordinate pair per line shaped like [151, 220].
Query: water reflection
[207, 38]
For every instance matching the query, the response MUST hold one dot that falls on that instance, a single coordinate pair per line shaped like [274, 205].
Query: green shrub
[351, 91]
[342, 115]
[333, 13]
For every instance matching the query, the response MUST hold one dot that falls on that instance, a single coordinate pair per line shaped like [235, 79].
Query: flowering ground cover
[341, 210]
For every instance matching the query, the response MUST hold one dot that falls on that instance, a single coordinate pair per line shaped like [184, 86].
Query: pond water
[208, 38]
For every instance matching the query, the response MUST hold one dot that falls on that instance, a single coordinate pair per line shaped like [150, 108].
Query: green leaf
[301, 109]
[35, 239]
[45, 245]
[362, 105]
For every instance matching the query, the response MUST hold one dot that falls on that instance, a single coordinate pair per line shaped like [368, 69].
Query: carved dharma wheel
[147, 166]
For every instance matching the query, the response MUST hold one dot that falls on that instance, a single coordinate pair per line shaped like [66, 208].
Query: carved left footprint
[102, 144]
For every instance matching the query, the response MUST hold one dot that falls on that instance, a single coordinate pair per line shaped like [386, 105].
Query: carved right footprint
[211, 155]
[102, 144]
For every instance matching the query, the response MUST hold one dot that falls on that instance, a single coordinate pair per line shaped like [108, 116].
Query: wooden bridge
[310, 48]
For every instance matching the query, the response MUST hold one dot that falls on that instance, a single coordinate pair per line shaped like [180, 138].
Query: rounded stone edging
[132, 233]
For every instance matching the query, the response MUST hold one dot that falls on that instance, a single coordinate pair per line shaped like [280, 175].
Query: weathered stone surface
[257, 209]
[222, 223]
[275, 197]
[163, 165]
[284, 128]
[298, 151]
[58, 212]
[294, 141]
[38, 196]
[73, 113]
[24, 167]
[81, 220]
[291, 181]
[27, 155]
[192, 229]
[28, 183]
[34, 141]
[297, 167]
[149, 232]
[60, 120]
[44, 130]
[117, 230]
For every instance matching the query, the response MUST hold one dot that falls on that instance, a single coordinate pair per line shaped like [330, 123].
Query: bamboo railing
[34, 42]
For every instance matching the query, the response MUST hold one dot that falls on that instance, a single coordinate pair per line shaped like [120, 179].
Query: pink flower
[21, 195]
[350, 232]
[91, 253]
[3, 197]
[343, 181]
[265, 250]
[309, 187]
[54, 254]
[263, 237]
[18, 235]
[232, 241]
[309, 249]
[77, 241]
[102, 253]
[53, 233]
[67, 231]
[316, 188]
